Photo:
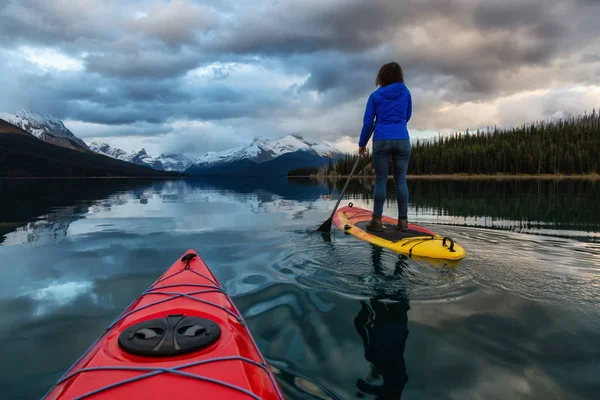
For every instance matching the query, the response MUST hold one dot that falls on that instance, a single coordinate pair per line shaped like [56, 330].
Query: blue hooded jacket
[392, 105]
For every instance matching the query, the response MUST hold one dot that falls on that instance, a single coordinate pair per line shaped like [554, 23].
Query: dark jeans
[399, 152]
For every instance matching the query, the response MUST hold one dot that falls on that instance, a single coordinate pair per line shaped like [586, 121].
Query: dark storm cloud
[213, 106]
[89, 130]
[334, 69]
[55, 23]
[511, 13]
[149, 90]
[590, 58]
[62, 22]
[111, 101]
[143, 64]
[473, 43]
[276, 27]
[175, 24]
[118, 116]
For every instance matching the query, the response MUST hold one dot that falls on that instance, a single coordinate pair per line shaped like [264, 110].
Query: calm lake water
[518, 318]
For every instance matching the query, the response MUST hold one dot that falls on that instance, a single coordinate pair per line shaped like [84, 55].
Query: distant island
[562, 147]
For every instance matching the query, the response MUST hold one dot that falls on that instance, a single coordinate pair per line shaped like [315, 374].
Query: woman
[390, 109]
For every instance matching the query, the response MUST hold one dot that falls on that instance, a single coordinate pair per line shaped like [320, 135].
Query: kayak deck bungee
[182, 338]
[415, 242]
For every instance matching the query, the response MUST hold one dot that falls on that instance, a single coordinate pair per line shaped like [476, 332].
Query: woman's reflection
[382, 325]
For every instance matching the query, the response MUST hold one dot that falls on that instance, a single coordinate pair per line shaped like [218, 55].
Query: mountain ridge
[261, 150]
[265, 157]
[164, 162]
[24, 155]
[47, 128]
[235, 161]
[295, 150]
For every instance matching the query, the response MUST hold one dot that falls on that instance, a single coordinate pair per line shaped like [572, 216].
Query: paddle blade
[326, 226]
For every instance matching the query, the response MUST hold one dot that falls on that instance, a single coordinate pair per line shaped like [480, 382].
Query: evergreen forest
[564, 146]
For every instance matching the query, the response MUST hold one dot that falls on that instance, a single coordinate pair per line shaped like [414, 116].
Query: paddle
[326, 226]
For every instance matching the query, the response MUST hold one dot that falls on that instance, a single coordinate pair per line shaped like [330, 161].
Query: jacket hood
[393, 91]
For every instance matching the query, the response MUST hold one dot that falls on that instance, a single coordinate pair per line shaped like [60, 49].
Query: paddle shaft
[326, 226]
[345, 186]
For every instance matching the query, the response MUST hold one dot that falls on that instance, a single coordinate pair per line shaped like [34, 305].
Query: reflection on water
[41, 212]
[58, 295]
[553, 207]
[331, 313]
[382, 323]
[383, 328]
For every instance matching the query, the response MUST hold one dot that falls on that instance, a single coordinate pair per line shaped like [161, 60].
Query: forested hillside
[25, 156]
[565, 146]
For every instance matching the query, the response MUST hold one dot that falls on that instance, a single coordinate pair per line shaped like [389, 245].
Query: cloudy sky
[196, 76]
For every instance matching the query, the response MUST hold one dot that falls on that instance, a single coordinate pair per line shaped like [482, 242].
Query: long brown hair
[389, 73]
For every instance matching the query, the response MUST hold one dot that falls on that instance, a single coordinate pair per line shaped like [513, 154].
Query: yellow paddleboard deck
[416, 242]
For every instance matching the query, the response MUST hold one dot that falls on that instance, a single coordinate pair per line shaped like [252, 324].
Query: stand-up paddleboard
[183, 338]
[415, 242]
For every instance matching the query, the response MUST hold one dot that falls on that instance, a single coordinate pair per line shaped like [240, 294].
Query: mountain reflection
[41, 212]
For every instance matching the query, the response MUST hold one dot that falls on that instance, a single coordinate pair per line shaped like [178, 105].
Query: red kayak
[183, 338]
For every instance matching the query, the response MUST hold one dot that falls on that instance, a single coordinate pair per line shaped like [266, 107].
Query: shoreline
[462, 176]
[90, 177]
[335, 177]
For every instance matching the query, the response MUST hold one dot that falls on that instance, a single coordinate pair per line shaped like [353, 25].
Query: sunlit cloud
[50, 59]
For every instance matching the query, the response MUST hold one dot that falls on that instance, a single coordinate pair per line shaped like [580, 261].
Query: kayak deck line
[176, 295]
[152, 371]
[158, 370]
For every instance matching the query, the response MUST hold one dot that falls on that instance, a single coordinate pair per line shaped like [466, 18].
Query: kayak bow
[182, 338]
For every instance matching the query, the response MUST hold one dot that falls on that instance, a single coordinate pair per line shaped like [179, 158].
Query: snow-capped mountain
[266, 157]
[46, 128]
[165, 162]
[262, 156]
[48, 229]
[107, 150]
[174, 162]
[139, 157]
[263, 150]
